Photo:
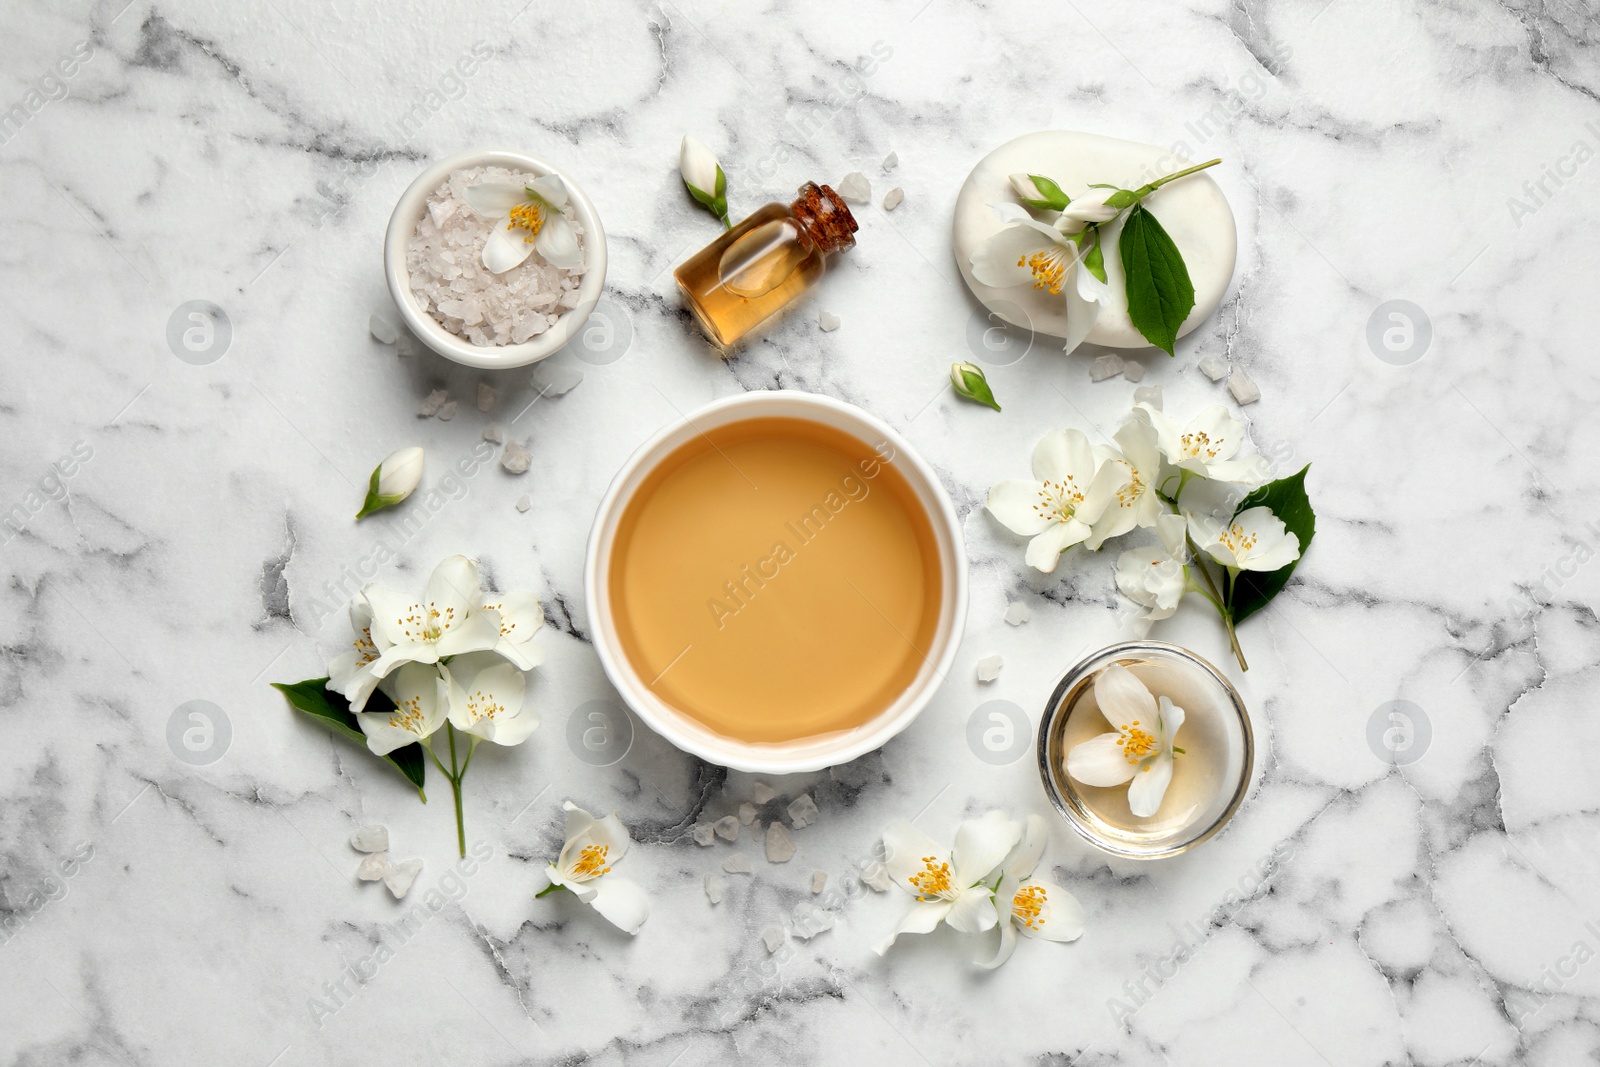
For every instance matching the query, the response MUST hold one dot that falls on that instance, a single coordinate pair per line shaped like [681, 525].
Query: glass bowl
[1209, 780]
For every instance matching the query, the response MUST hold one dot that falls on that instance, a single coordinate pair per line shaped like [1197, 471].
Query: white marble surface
[248, 154]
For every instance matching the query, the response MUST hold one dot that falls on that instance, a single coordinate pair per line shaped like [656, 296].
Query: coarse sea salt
[448, 278]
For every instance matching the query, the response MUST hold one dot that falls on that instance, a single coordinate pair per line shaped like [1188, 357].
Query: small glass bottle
[755, 269]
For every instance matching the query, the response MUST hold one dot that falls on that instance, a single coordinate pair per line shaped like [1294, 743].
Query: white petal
[1280, 555]
[610, 833]
[1224, 432]
[477, 634]
[922, 918]
[1025, 857]
[973, 911]
[905, 851]
[1064, 454]
[981, 844]
[1172, 718]
[494, 200]
[486, 697]
[558, 244]
[518, 617]
[1109, 480]
[1149, 786]
[578, 821]
[1122, 697]
[1137, 440]
[1173, 531]
[551, 189]
[1085, 297]
[396, 617]
[1044, 551]
[453, 587]
[1015, 504]
[620, 901]
[1247, 471]
[1099, 761]
[506, 248]
[1167, 431]
[1060, 919]
[999, 261]
[1006, 946]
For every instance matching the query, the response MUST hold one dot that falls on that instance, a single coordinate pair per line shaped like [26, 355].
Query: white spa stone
[1192, 210]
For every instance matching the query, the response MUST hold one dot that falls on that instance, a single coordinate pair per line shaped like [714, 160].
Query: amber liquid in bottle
[743, 277]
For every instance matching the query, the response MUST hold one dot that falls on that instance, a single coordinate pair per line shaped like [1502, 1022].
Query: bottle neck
[824, 218]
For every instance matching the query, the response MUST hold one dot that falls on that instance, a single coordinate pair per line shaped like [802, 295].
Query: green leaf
[1160, 295]
[1050, 198]
[1252, 590]
[332, 710]
[1094, 261]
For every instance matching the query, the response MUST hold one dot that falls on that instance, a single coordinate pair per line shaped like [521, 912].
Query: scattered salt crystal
[383, 330]
[555, 380]
[493, 434]
[714, 888]
[401, 876]
[855, 188]
[370, 839]
[727, 828]
[1214, 367]
[524, 502]
[374, 867]
[486, 396]
[989, 668]
[810, 920]
[780, 846]
[747, 813]
[761, 792]
[515, 459]
[802, 810]
[891, 161]
[1148, 394]
[703, 833]
[447, 410]
[773, 937]
[1018, 613]
[1243, 387]
[430, 407]
[818, 880]
[1106, 366]
[444, 261]
[1133, 370]
[827, 321]
[738, 863]
[893, 198]
[875, 876]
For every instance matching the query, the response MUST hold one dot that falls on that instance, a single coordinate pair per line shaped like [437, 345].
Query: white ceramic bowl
[403, 223]
[804, 754]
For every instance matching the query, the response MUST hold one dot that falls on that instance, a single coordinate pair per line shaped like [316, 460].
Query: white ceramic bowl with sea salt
[403, 225]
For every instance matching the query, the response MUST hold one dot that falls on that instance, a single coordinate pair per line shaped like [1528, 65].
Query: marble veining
[1408, 882]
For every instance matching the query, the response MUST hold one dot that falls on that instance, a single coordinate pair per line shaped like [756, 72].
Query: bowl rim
[402, 223]
[1080, 672]
[762, 758]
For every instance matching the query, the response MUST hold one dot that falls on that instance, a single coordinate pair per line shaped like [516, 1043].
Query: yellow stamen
[1136, 745]
[1028, 906]
[1237, 540]
[1059, 500]
[1198, 443]
[592, 861]
[529, 217]
[1049, 268]
[407, 716]
[931, 882]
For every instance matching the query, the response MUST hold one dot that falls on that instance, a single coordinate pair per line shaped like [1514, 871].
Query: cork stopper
[825, 217]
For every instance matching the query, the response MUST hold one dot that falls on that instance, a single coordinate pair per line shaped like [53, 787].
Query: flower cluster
[983, 882]
[1185, 481]
[453, 659]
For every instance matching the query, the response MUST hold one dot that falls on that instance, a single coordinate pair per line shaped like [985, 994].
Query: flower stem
[1218, 601]
[455, 787]
[547, 890]
[1145, 190]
